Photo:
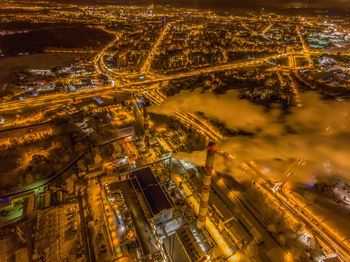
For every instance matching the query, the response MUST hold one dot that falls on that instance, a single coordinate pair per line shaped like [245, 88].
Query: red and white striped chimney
[203, 207]
[146, 128]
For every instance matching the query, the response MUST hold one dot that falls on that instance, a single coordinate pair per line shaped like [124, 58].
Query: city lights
[211, 131]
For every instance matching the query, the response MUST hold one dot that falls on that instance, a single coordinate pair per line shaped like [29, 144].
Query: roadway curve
[64, 98]
[328, 238]
[325, 235]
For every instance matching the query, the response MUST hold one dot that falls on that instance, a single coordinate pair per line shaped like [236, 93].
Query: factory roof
[152, 191]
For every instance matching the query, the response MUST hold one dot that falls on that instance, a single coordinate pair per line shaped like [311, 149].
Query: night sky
[323, 4]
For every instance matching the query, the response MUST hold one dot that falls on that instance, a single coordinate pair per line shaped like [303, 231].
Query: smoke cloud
[318, 133]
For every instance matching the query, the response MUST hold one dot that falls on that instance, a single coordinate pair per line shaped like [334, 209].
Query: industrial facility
[186, 131]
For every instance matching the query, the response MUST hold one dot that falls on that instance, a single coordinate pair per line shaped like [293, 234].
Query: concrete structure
[59, 196]
[203, 208]
[29, 205]
[182, 246]
[47, 199]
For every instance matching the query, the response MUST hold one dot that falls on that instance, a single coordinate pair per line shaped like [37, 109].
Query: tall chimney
[203, 207]
[146, 128]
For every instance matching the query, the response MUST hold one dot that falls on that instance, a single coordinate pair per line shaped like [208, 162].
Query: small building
[47, 199]
[41, 72]
[59, 195]
[29, 205]
[125, 130]
[44, 200]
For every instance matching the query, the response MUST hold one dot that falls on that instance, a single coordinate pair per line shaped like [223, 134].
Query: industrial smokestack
[203, 208]
[146, 129]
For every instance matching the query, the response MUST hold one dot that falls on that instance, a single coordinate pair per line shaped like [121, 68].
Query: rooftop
[152, 191]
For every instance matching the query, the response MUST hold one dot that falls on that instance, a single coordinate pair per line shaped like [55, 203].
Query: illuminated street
[207, 131]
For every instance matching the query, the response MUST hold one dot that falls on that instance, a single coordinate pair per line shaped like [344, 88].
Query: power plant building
[157, 202]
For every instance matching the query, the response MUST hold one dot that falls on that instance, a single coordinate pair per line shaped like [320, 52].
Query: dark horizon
[334, 7]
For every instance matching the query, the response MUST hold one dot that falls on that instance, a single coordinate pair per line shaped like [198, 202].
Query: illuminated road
[295, 91]
[54, 99]
[188, 118]
[147, 63]
[305, 46]
[342, 250]
[49, 101]
[247, 28]
[70, 51]
[63, 98]
[199, 124]
[266, 29]
[98, 60]
[191, 119]
[193, 201]
[248, 213]
[325, 235]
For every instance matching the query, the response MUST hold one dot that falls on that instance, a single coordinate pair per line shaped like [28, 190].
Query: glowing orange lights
[115, 242]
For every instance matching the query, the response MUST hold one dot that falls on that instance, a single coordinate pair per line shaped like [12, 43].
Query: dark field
[36, 41]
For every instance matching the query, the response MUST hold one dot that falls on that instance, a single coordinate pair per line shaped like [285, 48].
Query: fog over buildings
[313, 134]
